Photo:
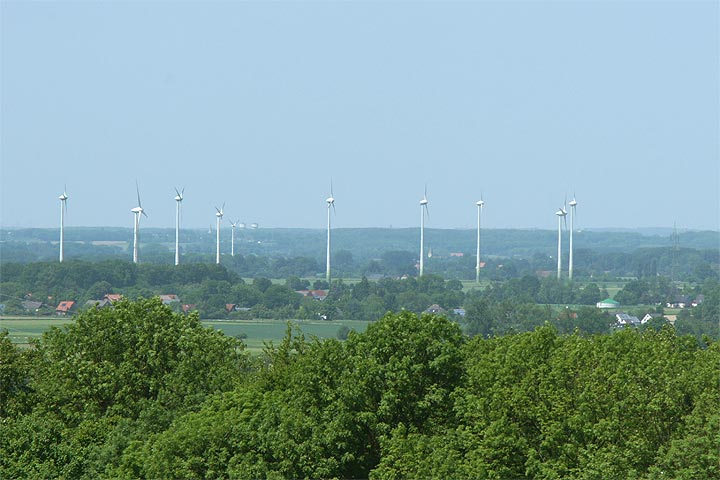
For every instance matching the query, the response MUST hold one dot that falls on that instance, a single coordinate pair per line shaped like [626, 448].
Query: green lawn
[258, 331]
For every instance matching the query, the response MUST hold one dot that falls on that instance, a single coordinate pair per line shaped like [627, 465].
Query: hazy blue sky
[258, 105]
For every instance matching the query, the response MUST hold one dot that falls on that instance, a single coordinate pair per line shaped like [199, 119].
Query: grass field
[20, 329]
[258, 332]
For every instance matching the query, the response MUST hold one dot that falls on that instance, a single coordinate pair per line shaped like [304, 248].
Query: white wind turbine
[136, 231]
[63, 210]
[234, 224]
[423, 213]
[178, 200]
[561, 214]
[219, 214]
[330, 203]
[480, 205]
[573, 204]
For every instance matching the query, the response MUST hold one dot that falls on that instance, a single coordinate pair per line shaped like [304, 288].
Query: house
[459, 311]
[113, 297]
[607, 303]
[99, 304]
[650, 316]
[698, 300]
[189, 307]
[625, 320]
[231, 307]
[31, 305]
[678, 301]
[315, 294]
[169, 298]
[64, 307]
[435, 309]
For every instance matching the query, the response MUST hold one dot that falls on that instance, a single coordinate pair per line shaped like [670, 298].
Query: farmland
[255, 333]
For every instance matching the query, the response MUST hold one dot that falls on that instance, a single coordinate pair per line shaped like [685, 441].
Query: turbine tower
[219, 214]
[330, 203]
[480, 205]
[573, 204]
[561, 213]
[178, 201]
[232, 236]
[63, 210]
[136, 231]
[423, 213]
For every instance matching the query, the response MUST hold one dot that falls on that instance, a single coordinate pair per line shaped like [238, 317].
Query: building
[31, 306]
[607, 303]
[650, 316]
[626, 320]
[315, 294]
[65, 307]
[169, 298]
[99, 304]
[679, 301]
[435, 309]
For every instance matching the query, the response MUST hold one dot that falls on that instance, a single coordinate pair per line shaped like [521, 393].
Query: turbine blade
[137, 189]
[178, 193]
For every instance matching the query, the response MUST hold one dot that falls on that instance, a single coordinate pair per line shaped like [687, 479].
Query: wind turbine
[423, 213]
[561, 214]
[480, 205]
[330, 203]
[136, 232]
[219, 214]
[63, 210]
[178, 200]
[234, 224]
[573, 204]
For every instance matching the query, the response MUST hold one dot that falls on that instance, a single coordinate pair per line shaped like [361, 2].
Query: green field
[258, 332]
[261, 331]
[21, 329]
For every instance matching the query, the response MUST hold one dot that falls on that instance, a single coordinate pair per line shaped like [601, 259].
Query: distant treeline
[507, 253]
[141, 392]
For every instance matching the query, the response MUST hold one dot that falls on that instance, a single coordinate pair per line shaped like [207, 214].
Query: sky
[261, 105]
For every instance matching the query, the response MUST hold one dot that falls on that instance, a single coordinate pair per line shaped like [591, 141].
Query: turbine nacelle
[561, 213]
[573, 202]
[179, 196]
[480, 203]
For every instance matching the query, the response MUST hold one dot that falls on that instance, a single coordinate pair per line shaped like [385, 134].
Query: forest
[140, 391]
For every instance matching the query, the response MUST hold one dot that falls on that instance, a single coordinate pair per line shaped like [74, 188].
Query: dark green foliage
[141, 392]
[134, 368]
